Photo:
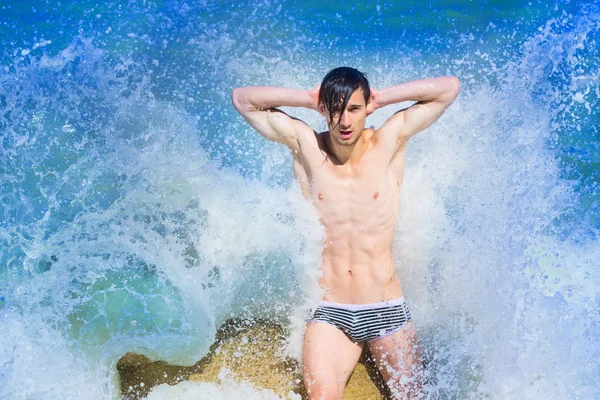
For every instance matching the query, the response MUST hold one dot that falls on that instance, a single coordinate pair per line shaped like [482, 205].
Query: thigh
[399, 360]
[329, 359]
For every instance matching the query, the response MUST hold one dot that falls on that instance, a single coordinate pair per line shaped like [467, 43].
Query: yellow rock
[252, 352]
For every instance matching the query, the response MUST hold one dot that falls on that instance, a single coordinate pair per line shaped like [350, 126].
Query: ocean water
[138, 211]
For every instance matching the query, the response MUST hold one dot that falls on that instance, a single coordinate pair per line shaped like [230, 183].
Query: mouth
[345, 134]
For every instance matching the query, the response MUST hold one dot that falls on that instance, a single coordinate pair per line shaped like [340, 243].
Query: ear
[321, 109]
[371, 105]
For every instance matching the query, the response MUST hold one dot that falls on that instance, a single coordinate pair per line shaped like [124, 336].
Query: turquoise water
[138, 211]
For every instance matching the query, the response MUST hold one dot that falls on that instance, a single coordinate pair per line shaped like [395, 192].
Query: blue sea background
[138, 211]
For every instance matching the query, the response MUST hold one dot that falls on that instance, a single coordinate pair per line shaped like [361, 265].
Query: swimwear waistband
[357, 307]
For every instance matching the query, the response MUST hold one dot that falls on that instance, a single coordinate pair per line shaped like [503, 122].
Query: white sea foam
[124, 232]
[228, 388]
[36, 362]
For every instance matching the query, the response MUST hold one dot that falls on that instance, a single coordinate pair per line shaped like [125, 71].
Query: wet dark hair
[337, 88]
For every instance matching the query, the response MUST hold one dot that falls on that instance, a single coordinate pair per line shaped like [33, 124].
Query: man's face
[351, 121]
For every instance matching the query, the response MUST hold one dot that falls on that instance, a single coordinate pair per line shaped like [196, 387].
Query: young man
[353, 176]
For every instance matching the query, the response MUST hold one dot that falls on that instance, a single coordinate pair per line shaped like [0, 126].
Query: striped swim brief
[364, 322]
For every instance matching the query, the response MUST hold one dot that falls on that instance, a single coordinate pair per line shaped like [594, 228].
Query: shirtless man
[353, 176]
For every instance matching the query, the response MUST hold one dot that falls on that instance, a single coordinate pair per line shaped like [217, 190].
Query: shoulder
[388, 146]
[376, 137]
[301, 127]
[310, 144]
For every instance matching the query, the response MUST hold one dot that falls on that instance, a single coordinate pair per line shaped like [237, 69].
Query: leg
[399, 360]
[329, 359]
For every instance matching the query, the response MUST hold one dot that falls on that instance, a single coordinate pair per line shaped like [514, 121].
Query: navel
[376, 195]
[320, 196]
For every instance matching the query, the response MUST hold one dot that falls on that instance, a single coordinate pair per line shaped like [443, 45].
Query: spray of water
[133, 223]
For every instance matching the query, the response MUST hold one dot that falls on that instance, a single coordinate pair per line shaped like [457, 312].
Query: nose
[345, 120]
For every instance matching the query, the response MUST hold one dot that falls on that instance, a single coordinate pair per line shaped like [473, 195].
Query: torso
[358, 205]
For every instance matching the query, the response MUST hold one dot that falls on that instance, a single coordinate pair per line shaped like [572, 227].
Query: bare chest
[359, 195]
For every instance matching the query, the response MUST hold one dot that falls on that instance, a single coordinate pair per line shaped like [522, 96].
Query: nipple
[320, 196]
[376, 195]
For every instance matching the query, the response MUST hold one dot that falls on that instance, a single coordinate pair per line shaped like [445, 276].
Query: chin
[350, 142]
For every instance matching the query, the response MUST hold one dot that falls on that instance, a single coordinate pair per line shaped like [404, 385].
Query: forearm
[262, 98]
[434, 89]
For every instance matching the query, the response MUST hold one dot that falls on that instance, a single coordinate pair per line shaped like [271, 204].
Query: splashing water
[139, 212]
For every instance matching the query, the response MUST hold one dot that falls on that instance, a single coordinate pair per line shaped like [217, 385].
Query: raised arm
[257, 106]
[432, 97]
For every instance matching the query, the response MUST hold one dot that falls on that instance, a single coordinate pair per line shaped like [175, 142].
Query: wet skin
[353, 176]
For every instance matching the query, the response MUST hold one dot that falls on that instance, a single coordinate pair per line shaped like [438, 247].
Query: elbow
[454, 86]
[236, 99]
[241, 102]
[452, 89]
